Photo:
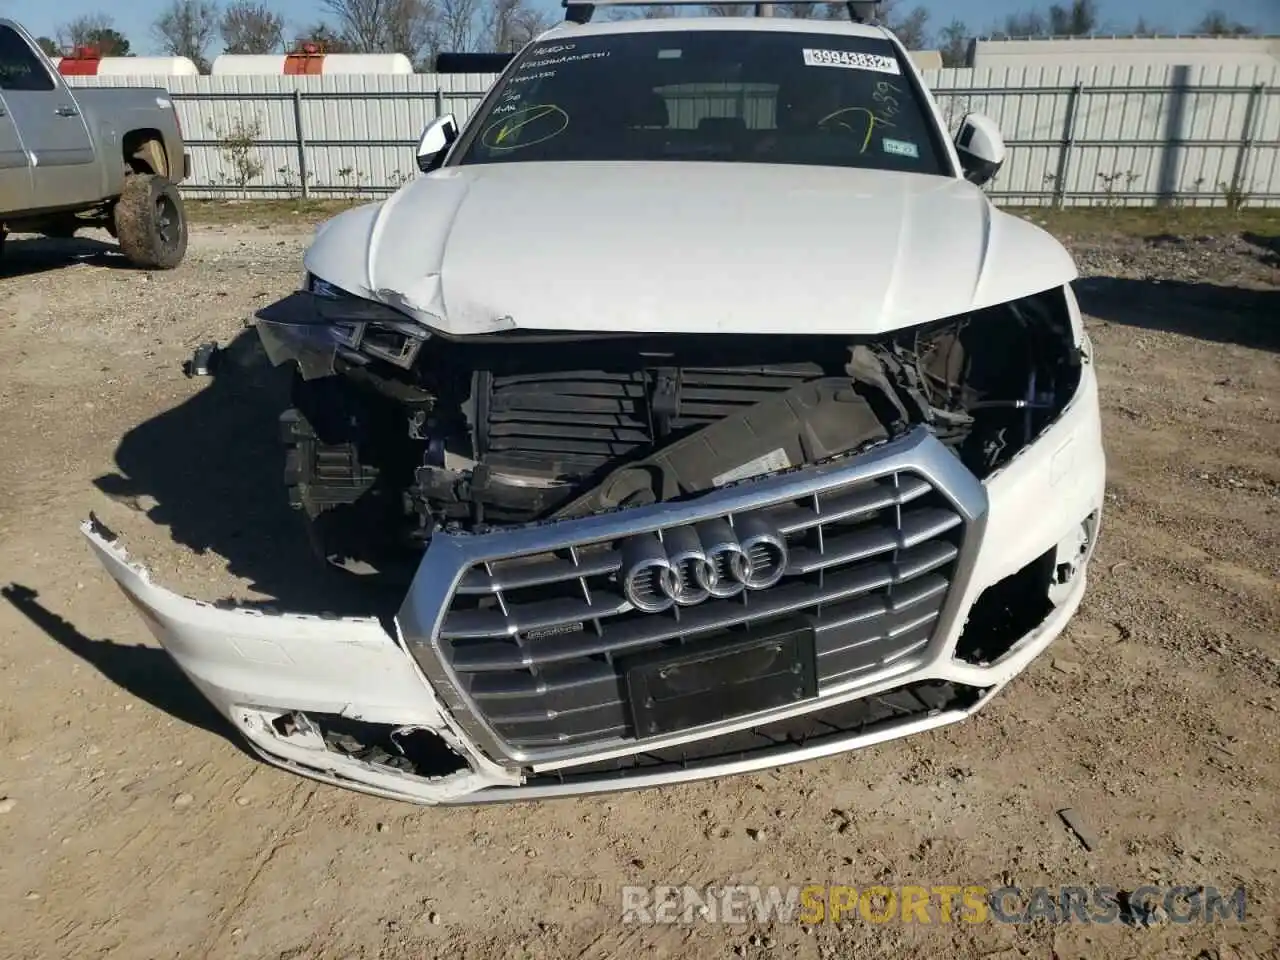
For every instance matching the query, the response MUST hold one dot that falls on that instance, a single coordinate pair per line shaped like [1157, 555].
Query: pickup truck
[90, 157]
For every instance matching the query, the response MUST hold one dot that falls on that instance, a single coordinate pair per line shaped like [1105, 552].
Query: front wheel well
[144, 152]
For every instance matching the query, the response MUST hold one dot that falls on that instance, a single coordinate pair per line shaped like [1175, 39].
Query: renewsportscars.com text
[828, 903]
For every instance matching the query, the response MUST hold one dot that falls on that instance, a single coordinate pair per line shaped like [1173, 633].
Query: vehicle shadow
[1208, 311]
[214, 466]
[1268, 246]
[146, 672]
[42, 254]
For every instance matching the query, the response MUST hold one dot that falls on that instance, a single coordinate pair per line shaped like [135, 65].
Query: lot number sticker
[851, 61]
[901, 148]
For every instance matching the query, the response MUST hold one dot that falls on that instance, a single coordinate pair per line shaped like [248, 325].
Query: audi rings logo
[689, 564]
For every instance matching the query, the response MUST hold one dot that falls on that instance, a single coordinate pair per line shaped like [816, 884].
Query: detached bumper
[345, 702]
[261, 670]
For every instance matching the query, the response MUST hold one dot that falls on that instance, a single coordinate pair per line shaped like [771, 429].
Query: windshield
[723, 95]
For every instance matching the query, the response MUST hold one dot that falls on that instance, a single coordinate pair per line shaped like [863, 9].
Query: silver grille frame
[449, 557]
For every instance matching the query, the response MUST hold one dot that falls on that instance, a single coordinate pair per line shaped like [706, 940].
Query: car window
[719, 95]
[20, 69]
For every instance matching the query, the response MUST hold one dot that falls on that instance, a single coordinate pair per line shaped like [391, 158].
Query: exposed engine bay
[407, 433]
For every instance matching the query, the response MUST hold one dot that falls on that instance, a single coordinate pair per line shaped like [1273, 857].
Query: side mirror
[981, 148]
[434, 142]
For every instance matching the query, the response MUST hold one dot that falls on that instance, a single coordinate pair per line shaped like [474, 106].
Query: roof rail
[581, 11]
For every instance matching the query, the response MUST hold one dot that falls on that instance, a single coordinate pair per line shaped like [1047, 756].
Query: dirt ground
[134, 825]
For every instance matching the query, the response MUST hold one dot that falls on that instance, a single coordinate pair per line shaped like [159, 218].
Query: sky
[134, 17]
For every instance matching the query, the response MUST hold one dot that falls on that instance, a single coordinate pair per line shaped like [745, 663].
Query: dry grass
[1075, 221]
[1153, 221]
[268, 213]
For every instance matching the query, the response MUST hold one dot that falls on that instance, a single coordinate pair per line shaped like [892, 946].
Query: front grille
[533, 641]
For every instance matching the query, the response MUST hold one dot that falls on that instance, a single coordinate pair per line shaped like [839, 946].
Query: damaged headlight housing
[366, 326]
[321, 322]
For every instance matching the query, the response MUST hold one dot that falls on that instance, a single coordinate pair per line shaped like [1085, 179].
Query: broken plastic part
[312, 345]
[202, 361]
[415, 750]
[240, 655]
[320, 672]
[1070, 557]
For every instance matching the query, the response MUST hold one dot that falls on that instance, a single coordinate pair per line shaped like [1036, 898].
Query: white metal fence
[1077, 136]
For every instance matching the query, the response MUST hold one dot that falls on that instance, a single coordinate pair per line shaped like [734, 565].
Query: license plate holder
[674, 689]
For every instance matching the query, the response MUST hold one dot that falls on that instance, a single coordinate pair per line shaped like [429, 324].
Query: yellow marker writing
[872, 120]
[510, 125]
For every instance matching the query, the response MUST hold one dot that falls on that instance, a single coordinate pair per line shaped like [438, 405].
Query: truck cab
[109, 157]
[54, 148]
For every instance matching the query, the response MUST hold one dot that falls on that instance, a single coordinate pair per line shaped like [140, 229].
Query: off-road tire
[151, 222]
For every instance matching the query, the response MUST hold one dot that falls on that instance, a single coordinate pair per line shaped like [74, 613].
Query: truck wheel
[151, 222]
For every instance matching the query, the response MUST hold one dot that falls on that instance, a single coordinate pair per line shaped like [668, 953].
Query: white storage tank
[86, 63]
[310, 62]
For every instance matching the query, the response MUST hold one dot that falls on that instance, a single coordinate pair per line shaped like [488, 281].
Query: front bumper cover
[259, 668]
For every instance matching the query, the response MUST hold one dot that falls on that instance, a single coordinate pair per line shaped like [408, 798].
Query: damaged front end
[397, 433]
[634, 560]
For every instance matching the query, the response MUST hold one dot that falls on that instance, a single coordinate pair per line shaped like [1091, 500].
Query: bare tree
[1144, 29]
[249, 27]
[1216, 23]
[953, 44]
[910, 27]
[510, 24]
[458, 24]
[727, 9]
[386, 26]
[657, 11]
[186, 28]
[412, 28]
[802, 11]
[324, 37]
[1077, 19]
[360, 23]
[1017, 25]
[97, 31]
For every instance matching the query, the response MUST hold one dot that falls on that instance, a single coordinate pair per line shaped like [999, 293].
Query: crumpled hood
[667, 247]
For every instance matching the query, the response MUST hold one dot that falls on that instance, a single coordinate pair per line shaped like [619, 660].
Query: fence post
[439, 99]
[1068, 144]
[301, 136]
[1238, 193]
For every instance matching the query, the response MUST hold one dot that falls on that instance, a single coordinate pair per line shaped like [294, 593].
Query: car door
[49, 123]
[15, 166]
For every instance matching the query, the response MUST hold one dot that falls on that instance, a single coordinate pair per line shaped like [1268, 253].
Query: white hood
[684, 248]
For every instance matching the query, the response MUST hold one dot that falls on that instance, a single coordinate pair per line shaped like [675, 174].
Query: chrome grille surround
[460, 650]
